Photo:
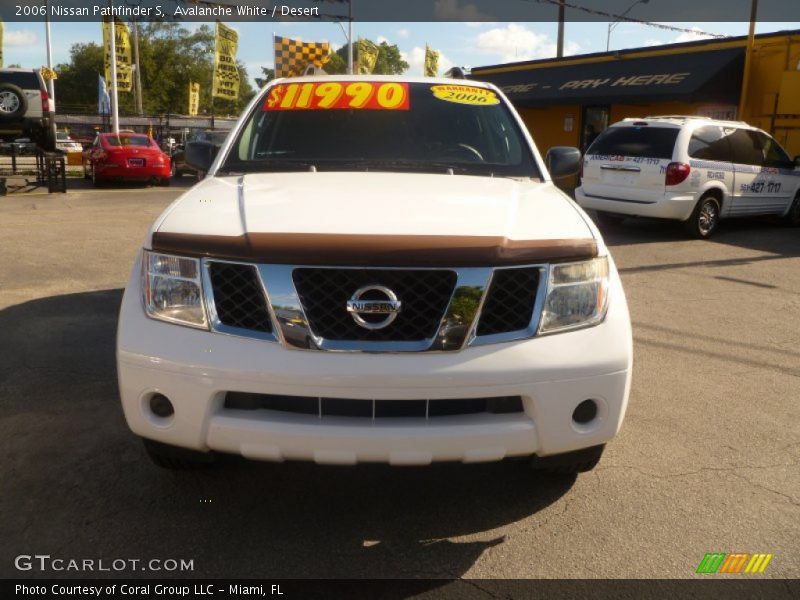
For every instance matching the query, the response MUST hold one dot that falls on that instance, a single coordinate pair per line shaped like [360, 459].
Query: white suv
[375, 270]
[26, 109]
[691, 169]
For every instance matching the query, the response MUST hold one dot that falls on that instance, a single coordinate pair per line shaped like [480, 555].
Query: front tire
[569, 463]
[704, 219]
[176, 459]
[792, 218]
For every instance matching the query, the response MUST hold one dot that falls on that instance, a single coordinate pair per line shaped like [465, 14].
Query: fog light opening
[585, 412]
[160, 406]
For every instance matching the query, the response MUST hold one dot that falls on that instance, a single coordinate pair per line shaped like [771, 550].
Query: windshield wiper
[270, 166]
[398, 164]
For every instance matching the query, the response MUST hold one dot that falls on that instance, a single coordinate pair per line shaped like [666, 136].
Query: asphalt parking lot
[707, 460]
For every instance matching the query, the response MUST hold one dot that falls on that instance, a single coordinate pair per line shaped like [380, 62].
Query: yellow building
[569, 101]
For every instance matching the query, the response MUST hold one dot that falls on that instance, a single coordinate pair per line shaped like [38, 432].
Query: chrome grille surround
[457, 328]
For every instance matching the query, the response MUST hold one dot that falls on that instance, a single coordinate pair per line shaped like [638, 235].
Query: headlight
[577, 295]
[172, 290]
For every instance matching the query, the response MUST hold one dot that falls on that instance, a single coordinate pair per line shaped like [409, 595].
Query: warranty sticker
[465, 94]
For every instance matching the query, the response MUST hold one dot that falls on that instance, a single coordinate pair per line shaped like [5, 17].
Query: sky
[462, 44]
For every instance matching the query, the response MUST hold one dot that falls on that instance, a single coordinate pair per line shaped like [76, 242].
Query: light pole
[50, 85]
[613, 24]
[349, 38]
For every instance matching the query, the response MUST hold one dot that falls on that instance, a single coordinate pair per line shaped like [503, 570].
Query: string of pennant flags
[292, 58]
[613, 17]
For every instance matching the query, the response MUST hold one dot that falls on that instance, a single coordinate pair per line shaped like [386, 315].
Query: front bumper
[672, 205]
[552, 374]
[126, 173]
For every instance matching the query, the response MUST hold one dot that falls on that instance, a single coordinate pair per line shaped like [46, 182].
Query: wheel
[704, 219]
[13, 103]
[570, 463]
[792, 218]
[166, 182]
[95, 181]
[46, 138]
[176, 459]
[607, 219]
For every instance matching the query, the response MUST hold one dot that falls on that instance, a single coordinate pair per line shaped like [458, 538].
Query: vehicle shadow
[760, 234]
[81, 184]
[80, 485]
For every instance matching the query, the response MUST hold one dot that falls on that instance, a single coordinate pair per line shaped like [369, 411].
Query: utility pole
[114, 96]
[748, 58]
[137, 68]
[560, 44]
[350, 38]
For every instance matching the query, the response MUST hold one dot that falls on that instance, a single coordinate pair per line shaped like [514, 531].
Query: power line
[601, 13]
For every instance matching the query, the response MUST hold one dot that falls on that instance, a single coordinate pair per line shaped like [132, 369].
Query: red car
[125, 157]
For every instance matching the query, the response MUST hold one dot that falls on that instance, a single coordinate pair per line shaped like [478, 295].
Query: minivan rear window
[644, 142]
[27, 80]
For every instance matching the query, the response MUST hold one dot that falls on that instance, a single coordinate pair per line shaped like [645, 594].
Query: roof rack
[688, 117]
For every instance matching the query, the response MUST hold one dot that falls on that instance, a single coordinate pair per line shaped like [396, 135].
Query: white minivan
[691, 169]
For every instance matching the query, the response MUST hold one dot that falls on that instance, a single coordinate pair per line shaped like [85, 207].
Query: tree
[390, 61]
[170, 57]
[269, 75]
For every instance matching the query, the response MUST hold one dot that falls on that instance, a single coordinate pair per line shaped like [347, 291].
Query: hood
[443, 210]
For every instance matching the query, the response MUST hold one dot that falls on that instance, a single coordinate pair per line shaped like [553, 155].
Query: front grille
[238, 297]
[378, 409]
[510, 300]
[424, 294]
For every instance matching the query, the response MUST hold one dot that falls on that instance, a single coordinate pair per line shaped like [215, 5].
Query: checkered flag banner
[292, 57]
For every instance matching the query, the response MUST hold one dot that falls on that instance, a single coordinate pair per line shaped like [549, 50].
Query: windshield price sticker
[465, 94]
[331, 95]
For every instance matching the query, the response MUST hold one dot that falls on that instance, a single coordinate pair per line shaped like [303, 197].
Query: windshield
[382, 126]
[128, 140]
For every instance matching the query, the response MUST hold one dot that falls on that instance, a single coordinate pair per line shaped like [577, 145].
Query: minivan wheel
[608, 219]
[792, 218]
[704, 219]
[176, 459]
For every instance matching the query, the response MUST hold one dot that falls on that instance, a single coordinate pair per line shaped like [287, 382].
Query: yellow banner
[226, 74]
[194, 99]
[292, 57]
[48, 73]
[431, 62]
[367, 56]
[122, 40]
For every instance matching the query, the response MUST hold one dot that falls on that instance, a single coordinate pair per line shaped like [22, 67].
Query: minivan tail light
[677, 173]
[45, 100]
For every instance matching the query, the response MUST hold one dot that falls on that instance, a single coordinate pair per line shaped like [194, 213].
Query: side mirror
[200, 155]
[563, 161]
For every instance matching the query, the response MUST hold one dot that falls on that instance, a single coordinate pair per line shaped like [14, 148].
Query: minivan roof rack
[688, 117]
